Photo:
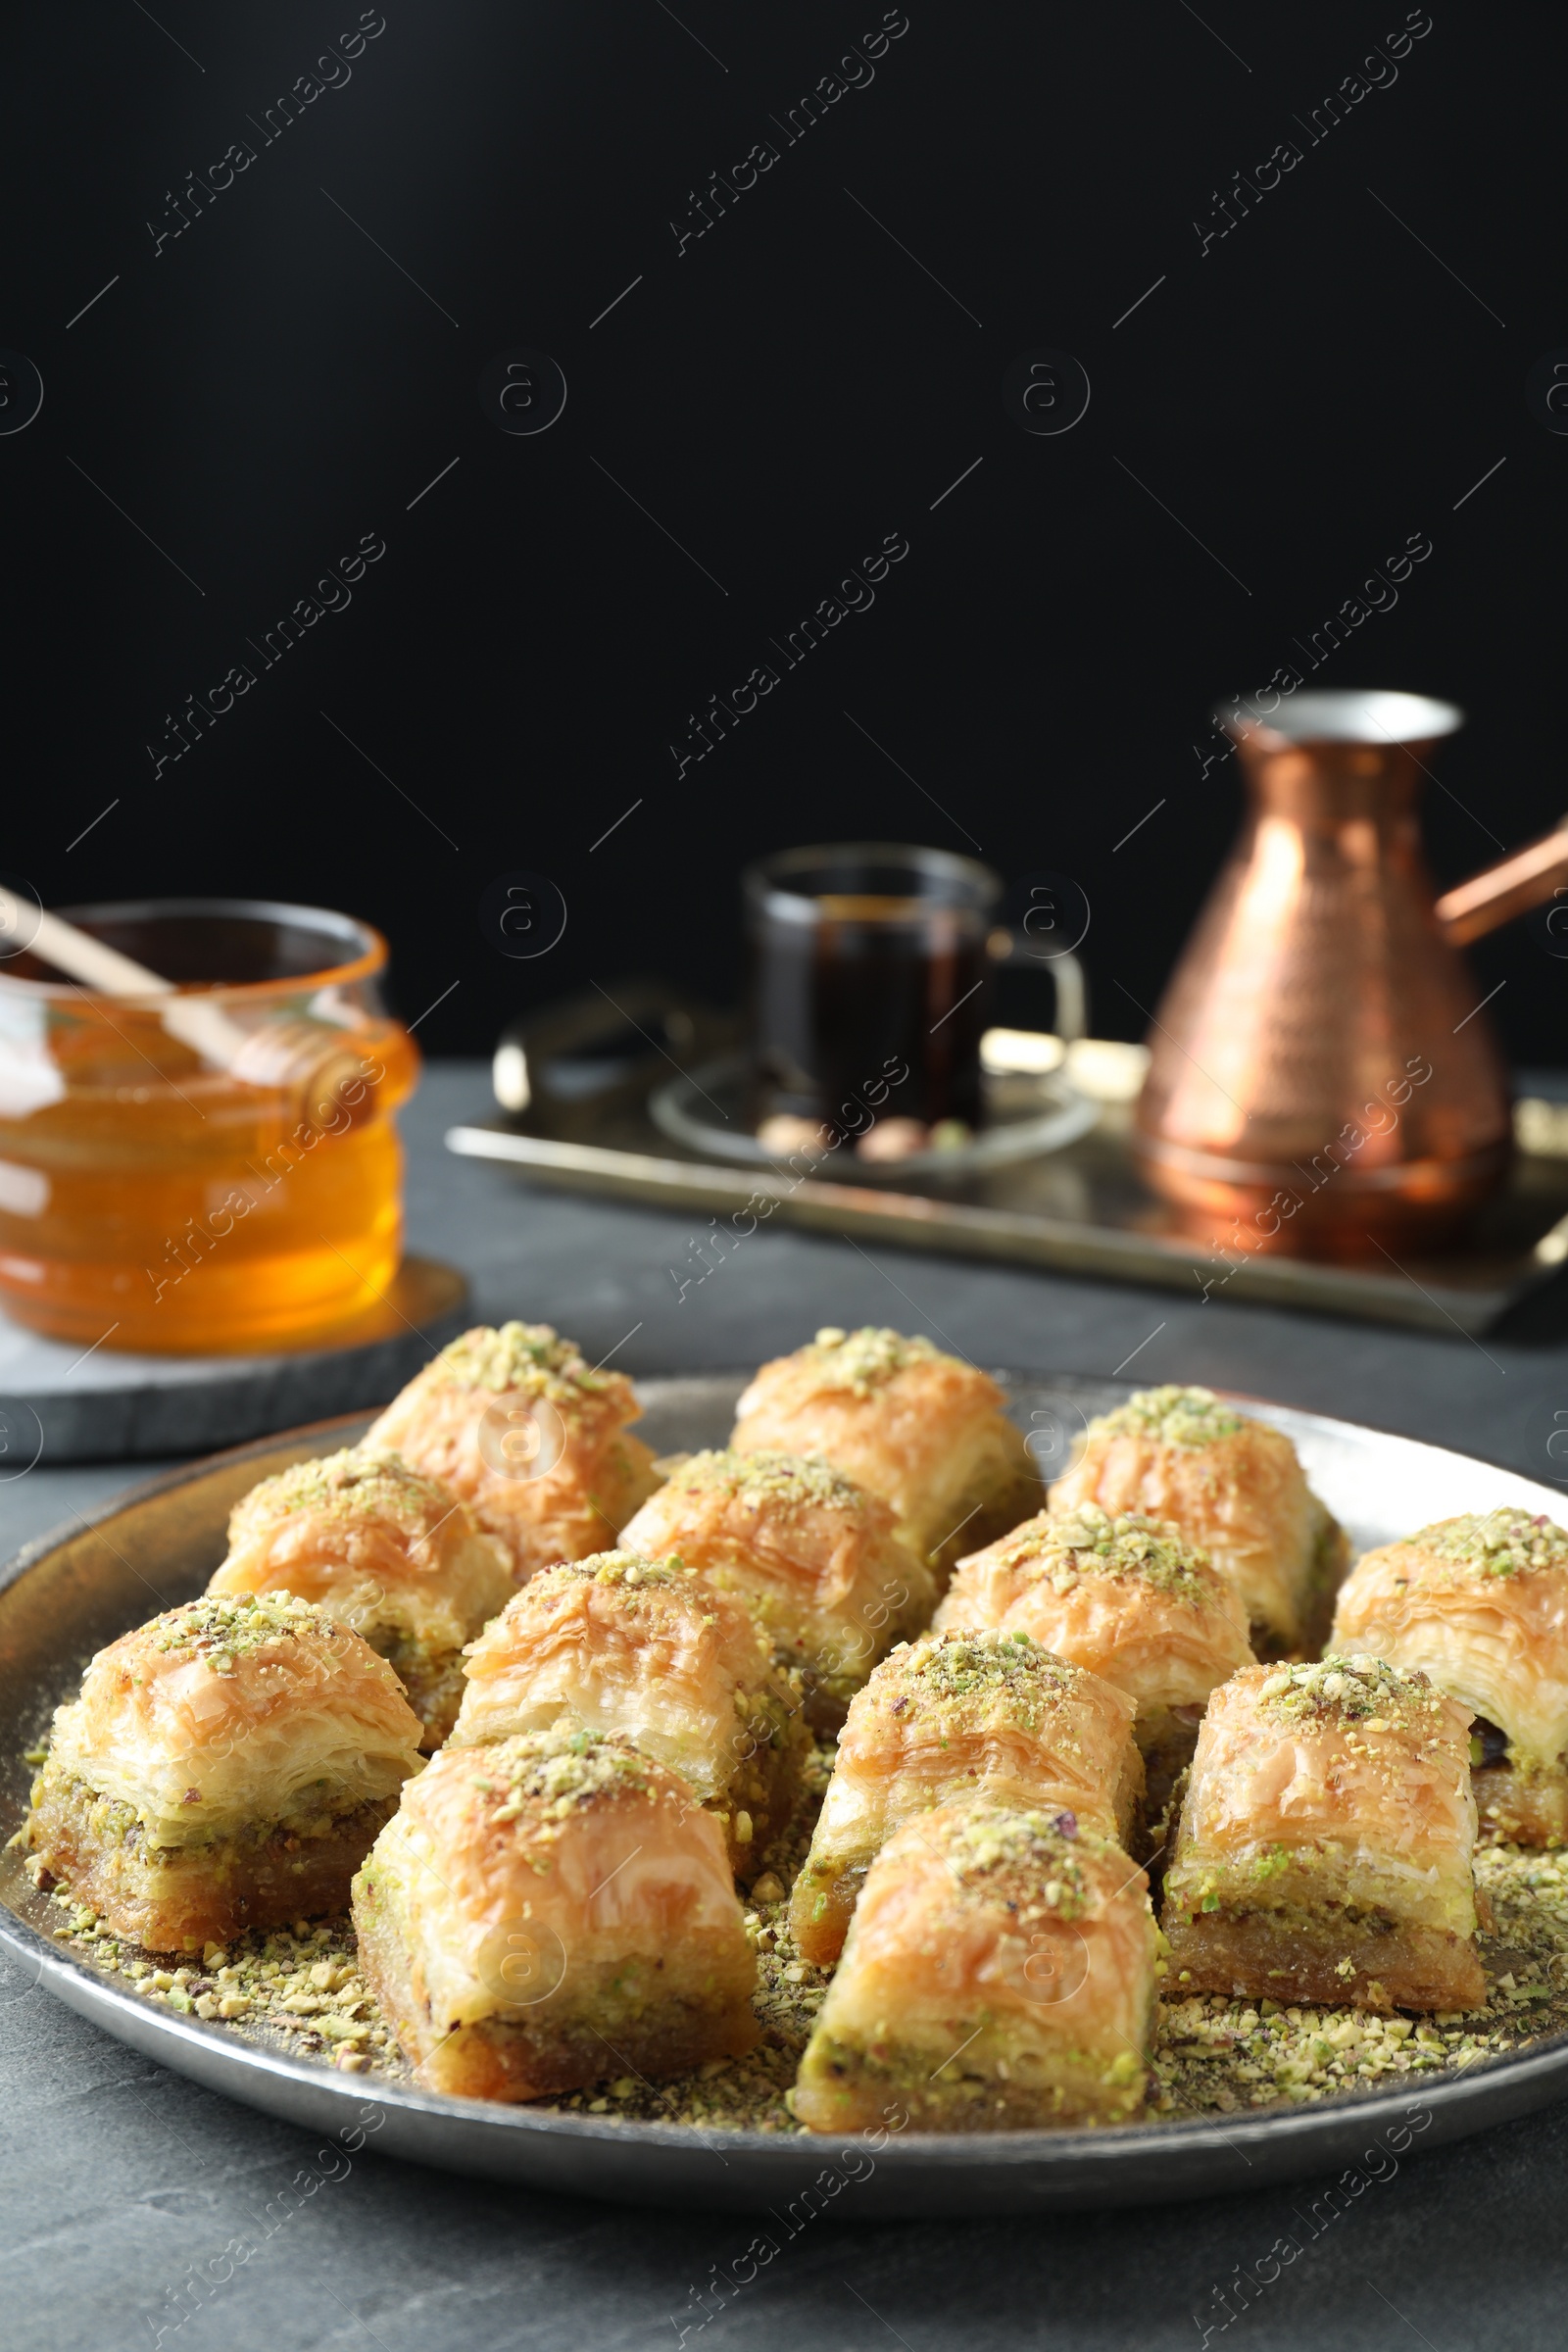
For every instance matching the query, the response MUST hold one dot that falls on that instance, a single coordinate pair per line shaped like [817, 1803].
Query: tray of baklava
[868, 1784]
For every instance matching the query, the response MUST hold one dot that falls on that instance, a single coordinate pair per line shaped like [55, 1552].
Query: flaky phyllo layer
[233, 1711]
[532, 1438]
[1480, 1604]
[1000, 1972]
[1234, 1486]
[954, 1710]
[533, 1874]
[982, 1715]
[920, 1427]
[1340, 1786]
[1126, 1596]
[814, 1556]
[377, 1544]
[649, 1651]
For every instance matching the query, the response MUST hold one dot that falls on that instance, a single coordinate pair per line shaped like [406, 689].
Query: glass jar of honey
[212, 1169]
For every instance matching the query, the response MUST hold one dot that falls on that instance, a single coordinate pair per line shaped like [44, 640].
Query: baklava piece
[1480, 1605]
[985, 1715]
[532, 1438]
[649, 1651]
[1127, 1597]
[1325, 1842]
[226, 1766]
[550, 1911]
[1236, 1489]
[381, 1549]
[999, 1975]
[923, 1430]
[816, 1557]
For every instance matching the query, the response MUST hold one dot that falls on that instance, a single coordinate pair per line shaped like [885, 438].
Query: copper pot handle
[1499, 892]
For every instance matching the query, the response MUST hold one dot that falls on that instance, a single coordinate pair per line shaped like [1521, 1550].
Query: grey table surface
[126, 2185]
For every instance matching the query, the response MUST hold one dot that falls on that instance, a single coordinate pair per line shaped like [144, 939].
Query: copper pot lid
[1372, 714]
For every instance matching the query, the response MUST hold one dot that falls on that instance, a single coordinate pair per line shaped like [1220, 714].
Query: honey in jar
[215, 1170]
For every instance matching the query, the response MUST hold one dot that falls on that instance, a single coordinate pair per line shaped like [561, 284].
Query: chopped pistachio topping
[863, 1359]
[1090, 1542]
[1504, 1543]
[946, 1668]
[1032, 1861]
[783, 1478]
[1353, 1690]
[1175, 1416]
[223, 1626]
[522, 1358]
[964, 1661]
[356, 1484]
[560, 1769]
[615, 1568]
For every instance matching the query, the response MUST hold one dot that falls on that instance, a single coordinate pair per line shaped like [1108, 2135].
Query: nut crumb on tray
[298, 1990]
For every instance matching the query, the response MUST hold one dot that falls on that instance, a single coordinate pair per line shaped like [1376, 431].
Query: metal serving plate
[68, 1594]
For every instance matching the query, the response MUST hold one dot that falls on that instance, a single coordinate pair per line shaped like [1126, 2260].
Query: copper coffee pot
[1323, 1079]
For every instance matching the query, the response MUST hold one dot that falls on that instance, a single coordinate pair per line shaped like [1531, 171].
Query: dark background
[270, 386]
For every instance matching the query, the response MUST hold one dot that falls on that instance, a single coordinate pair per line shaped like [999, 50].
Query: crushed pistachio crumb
[224, 1625]
[1359, 1688]
[779, 1478]
[1090, 1541]
[960, 1673]
[1499, 1544]
[630, 1569]
[1029, 1853]
[1176, 1417]
[301, 1991]
[863, 1360]
[562, 1767]
[529, 1359]
[356, 1482]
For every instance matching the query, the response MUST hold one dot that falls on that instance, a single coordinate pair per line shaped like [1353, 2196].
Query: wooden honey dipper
[294, 1057]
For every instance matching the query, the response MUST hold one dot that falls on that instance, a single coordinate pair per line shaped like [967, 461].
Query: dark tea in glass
[870, 984]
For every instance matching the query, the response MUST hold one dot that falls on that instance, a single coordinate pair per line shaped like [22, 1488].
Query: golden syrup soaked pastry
[983, 1715]
[533, 1440]
[383, 1549]
[1127, 1597]
[816, 1557]
[1000, 1973]
[1236, 1489]
[1480, 1605]
[649, 1651]
[549, 1911]
[1324, 1849]
[226, 1766]
[923, 1430]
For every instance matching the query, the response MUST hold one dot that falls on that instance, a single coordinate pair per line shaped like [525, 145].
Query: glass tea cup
[214, 1170]
[872, 968]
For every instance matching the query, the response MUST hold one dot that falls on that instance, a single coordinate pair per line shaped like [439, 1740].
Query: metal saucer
[1027, 1117]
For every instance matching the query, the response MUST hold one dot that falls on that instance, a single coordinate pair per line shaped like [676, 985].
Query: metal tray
[66, 1596]
[580, 1121]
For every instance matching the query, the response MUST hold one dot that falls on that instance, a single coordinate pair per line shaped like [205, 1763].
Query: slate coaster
[60, 1406]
